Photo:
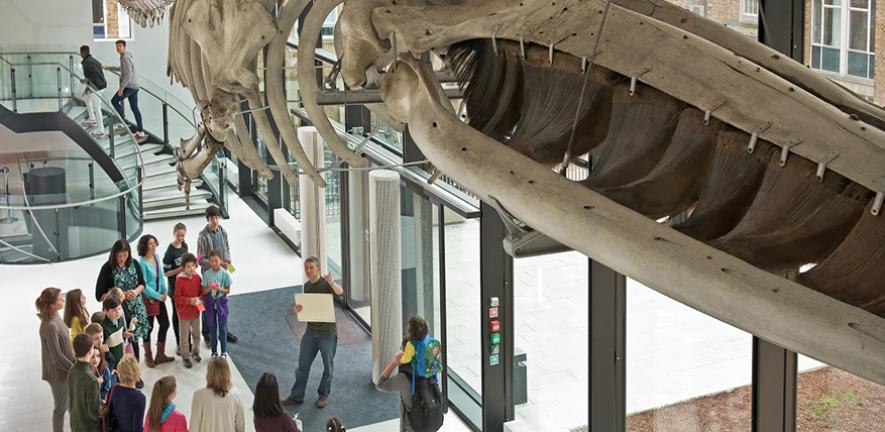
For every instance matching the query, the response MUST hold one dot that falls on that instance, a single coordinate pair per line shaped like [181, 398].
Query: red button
[495, 326]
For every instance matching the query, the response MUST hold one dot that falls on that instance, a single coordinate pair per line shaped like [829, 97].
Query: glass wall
[463, 321]
[551, 341]
[686, 371]
[420, 258]
[334, 257]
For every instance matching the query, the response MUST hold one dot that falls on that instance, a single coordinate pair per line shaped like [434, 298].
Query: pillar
[312, 199]
[385, 252]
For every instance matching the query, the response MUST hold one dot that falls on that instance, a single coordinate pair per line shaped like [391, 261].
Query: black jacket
[93, 72]
[106, 278]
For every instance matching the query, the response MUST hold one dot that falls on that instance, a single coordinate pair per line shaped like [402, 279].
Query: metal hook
[785, 150]
[822, 165]
[751, 147]
[550, 54]
[495, 39]
[709, 113]
[522, 47]
[877, 203]
[634, 79]
[583, 64]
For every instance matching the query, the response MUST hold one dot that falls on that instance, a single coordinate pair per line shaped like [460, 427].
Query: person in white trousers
[94, 81]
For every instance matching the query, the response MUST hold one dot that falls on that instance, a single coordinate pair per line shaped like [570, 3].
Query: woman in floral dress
[123, 272]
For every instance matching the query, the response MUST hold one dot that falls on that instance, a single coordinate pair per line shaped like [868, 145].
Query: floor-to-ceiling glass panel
[463, 321]
[359, 287]
[420, 281]
[686, 371]
[334, 261]
[551, 341]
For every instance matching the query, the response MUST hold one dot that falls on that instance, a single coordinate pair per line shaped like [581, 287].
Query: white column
[312, 199]
[386, 279]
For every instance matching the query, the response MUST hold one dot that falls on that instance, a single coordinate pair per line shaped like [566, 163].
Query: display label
[496, 349]
[493, 312]
[493, 360]
[494, 302]
[496, 338]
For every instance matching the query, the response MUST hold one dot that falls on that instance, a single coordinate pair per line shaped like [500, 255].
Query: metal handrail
[139, 181]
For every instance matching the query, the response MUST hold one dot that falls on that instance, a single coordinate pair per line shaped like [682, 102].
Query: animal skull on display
[774, 166]
[146, 13]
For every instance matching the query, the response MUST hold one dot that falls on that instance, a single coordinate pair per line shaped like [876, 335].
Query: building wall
[67, 24]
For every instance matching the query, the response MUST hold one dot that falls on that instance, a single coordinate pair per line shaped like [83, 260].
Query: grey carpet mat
[269, 340]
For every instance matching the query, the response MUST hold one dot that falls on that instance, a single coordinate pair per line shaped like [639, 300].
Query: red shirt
[187, 288]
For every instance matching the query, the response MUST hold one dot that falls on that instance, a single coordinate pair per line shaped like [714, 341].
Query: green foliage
[826, 406]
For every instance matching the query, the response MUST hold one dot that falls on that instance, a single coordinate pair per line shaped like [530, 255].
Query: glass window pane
[463, 301]
[419, 257]
[830, 60]
[832, 26]
[858, 29]
[857, 64]
[817, 11]
[833, 2]
[830, 399]
[686, 371]
[550, 294]
[815, 57]
[860, 4]
[333, 218]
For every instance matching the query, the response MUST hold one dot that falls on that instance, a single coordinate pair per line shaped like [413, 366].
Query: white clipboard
[315, 307]
[115, 338]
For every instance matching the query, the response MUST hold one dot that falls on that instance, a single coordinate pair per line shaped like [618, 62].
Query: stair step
[150, 160]
[77, 113]
[173, 198]
[160, 170]
[196, 208]
[158, 184]
[146, 149]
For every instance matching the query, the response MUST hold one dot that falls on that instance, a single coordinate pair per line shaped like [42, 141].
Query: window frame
[818, 8]
[103, 24]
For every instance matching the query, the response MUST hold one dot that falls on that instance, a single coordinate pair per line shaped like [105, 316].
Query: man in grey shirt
[128, 88]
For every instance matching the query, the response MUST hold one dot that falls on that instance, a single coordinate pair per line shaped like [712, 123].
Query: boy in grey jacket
[128, 87]
[213, 237]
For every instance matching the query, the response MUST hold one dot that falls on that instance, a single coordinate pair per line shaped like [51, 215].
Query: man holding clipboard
[321, 334]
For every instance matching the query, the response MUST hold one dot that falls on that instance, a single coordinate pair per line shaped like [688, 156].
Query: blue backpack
[426, 414]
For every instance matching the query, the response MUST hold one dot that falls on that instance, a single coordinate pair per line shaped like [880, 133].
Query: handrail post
[92, 180]
[165, 123]
[111, 133]
[30, 78]
[222, 199]
[58, 77]
[14, 97]
[56, 233]
[71, 71]
[138, 178]
[121, 216]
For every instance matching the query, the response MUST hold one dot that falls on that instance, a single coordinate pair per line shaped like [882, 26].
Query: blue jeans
[218, 333]
[310, 344]
[132, 95]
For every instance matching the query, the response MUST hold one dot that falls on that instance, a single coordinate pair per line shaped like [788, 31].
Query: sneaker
[100, 135]
[88, 123]
[214, 354]
[289, 401]
[231, 338]
[196, 358]
[188, 364]
[321, 403]
[140, 137]
[119, 127]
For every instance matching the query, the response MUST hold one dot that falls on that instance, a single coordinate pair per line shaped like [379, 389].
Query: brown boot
[161, 354]
[148, 355]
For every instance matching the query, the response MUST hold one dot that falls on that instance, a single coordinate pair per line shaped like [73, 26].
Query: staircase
[161, 197]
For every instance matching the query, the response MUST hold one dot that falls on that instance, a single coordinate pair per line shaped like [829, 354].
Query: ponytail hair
[162, 389]
[45, 301]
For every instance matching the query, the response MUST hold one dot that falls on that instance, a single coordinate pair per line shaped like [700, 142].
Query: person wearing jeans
[95, 82]
[128, 88]
[319, 337]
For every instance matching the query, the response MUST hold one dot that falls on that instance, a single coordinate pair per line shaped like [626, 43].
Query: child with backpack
[421, 405]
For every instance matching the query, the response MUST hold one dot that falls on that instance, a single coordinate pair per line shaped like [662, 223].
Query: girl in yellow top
[76, 316]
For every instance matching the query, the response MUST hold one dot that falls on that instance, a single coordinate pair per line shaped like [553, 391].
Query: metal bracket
[822, 165]
[709, 113]
[877, 203]
[550, 49]
[522, 241]
[785, 150]
[495, 39]
[583, 64]
[395, 51]
[751, 147]
[635, 78]
[522, 47]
